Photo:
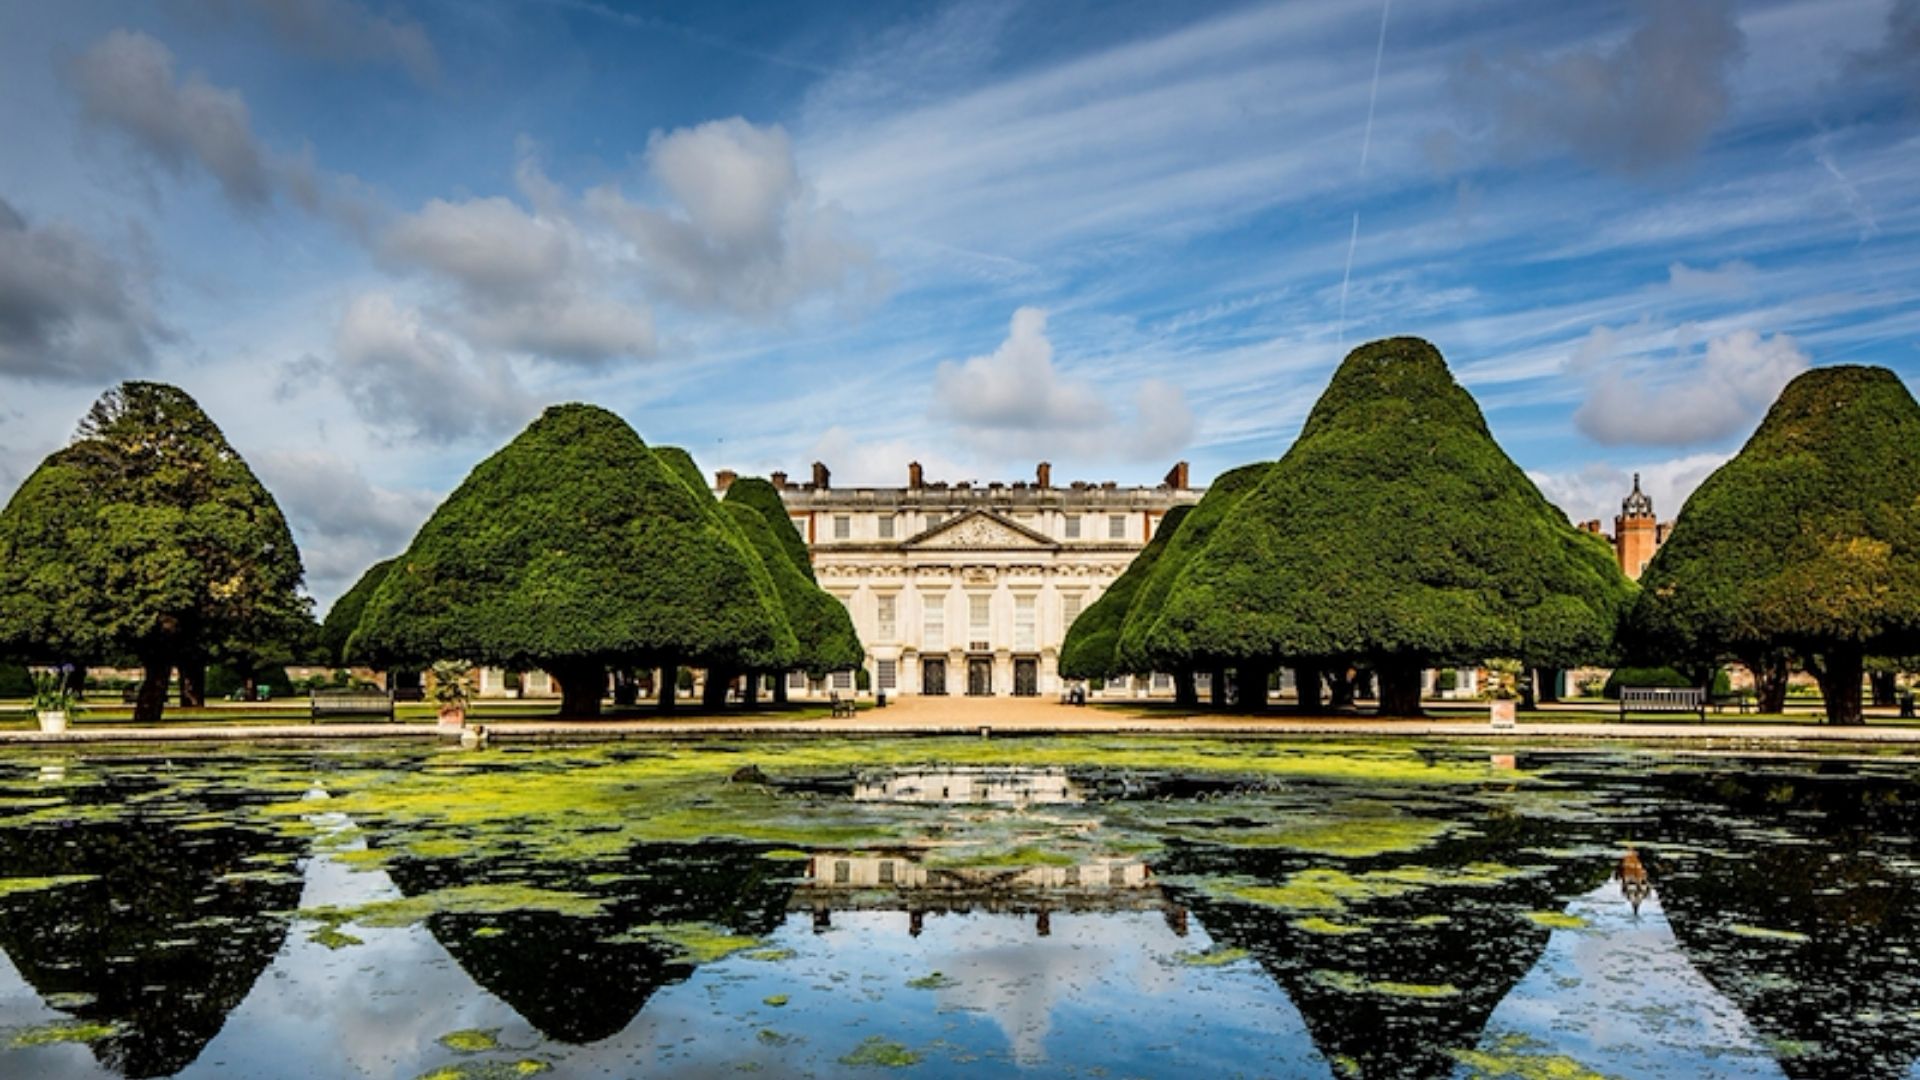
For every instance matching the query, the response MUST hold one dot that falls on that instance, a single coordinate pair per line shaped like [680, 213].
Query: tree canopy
[1809, 539]
[828, 641]
[344, 616]
[764, 497]
[1092, 646]
[147, 537]
[571, 549]
[1194, 531]
[1395, 531]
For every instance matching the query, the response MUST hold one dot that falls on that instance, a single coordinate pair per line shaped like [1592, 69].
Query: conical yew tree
[1809, 539]
[572, 549]
[1395, 532]
[1092, 646]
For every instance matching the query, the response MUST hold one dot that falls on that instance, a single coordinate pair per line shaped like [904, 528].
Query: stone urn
[53, 720]
[1501, 712]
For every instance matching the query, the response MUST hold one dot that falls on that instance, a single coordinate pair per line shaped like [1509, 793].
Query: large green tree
[344, 616]
[573, 549]
[148, 537]
[1808, 540]
[1397, 534]
[1092, 646]
[828, 641]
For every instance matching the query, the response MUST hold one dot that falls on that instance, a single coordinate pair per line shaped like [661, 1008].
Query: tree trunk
[1306, 689]
[77, 681]
[1252, 680]
[582, 685]
[779, 688]
[152, 700]
[1839, 673]
[1186, 690]
[193, 684]
[754, 679]
[1885, 689]
[1363, 684]
[250, 688]
[714, 698]
[626, 687]
[1340, 685]
[1400, 689]
[669, 687]
[1769, 680]
[1218, 688]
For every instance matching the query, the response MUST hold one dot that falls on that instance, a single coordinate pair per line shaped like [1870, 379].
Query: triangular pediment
[978, 530]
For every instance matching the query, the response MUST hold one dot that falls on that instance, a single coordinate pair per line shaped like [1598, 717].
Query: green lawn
[16, 716]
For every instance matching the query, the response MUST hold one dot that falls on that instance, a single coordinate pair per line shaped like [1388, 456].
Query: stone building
[965, 588]
[1637, 532]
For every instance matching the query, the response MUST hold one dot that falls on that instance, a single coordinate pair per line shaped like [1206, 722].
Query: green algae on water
[64, 1031]
[1218, 956]
[932, 981]
[1316, 924]
[13, 886]
[695, 943]
[1763, 933]
[880, 1052]
[1556, 920]
[472, 1040]
[1349, 983]
[490, 1070]
[776, 1001]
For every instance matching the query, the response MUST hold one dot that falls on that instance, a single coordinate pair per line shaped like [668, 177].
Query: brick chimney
[724, 479]
[1043, 475]
[915, 478]
[1177, 476]
[821, 477]
[778, 480]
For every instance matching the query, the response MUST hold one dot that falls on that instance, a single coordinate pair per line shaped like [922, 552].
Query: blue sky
[375, 238]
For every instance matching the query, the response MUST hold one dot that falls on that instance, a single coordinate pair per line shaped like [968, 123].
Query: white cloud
[1014, 402]
[69, 310]
[1016, 387]
[741, 231]
[1594, 491]
[417, 382]
[126, 84]
[1731, 278]
[1677, 399]
[489, 246]
[342, 522]
[1647, 102]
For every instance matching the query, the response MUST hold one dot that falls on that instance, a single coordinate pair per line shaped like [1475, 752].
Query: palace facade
[966, 588]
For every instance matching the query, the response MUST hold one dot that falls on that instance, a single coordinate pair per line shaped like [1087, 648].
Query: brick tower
[1636, 532]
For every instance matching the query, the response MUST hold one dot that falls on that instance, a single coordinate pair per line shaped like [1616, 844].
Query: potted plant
[53, 699]
[451, 692]
[1502, 690]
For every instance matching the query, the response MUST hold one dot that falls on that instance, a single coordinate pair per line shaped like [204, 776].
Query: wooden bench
[329, 703]
[842, 706]
[1741, 701]
[1663, 699]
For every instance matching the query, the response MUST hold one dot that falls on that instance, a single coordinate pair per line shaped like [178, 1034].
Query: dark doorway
[979, 677]
[933, 678]
[1026, 677]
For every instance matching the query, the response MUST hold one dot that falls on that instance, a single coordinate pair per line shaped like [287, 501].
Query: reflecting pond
[944, 906]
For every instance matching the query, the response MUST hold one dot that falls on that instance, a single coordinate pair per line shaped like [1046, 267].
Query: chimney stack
[915, 478]
[1177, 477]
[778, 480]
[724, 479]
[821, 477]
[1043, 475]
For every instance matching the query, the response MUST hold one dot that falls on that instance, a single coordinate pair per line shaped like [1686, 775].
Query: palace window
[1070, 609]
[883, 618]
[842, 526]
[796, 680]
[886, 526]
[1073, 526]
[842, 680]
[980, 617]
[888, 674]
[1023, 635]
[934, 520]
[1117, 527]
[933, 635]
[1162, 680]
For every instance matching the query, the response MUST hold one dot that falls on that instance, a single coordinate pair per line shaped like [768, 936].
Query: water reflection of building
[904, 881]
[995, 786]
[1632, 876]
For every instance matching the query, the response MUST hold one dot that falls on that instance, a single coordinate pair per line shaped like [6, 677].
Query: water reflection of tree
[1787, 898]
[583, 978]
[1476, 940]
[160, 945]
